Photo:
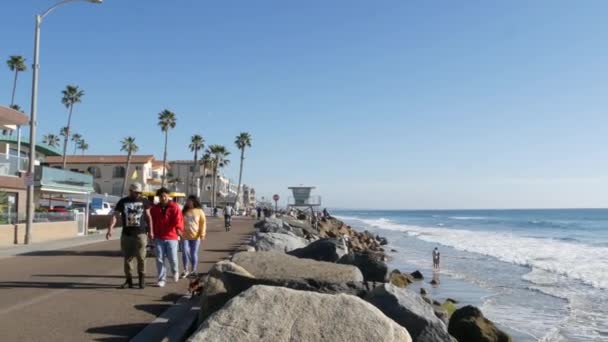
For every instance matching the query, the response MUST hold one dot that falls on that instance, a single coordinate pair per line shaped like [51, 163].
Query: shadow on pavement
[124, 332]
[54, 285]
[103, 253]
[120, 332]
[79, 276]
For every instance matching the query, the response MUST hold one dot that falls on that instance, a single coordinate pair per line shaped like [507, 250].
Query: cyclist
[228, 212]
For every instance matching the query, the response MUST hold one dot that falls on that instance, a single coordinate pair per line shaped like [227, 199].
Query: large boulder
[266, 313]
[330, 250]
[273, 265]
[237, 283]
[275, 225]
[468, 324]
[410, 311]
[278, 242]
[372, 268]
[215, 294]
[400, 279]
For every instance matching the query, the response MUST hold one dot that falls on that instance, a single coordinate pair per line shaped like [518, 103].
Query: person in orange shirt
[195, 228]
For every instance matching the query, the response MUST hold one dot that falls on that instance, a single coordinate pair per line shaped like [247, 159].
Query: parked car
[106, 209]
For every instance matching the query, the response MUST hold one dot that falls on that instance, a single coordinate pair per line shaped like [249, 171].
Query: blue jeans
[166, 248]
[190, 254]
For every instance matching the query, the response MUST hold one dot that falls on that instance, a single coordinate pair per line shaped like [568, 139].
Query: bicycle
[227, 222]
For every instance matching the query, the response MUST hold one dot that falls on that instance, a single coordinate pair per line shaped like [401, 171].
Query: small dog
[195, 288]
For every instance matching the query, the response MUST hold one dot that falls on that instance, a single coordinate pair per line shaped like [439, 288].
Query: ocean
[541, 275]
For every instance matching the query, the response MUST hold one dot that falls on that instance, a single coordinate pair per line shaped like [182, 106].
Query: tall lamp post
[34, 103]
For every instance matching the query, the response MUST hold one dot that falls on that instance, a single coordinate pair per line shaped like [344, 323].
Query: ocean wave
[574, 260]
[468, 218]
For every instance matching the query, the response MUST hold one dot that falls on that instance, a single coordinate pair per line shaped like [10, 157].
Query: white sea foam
[467, 218]
[577, 261]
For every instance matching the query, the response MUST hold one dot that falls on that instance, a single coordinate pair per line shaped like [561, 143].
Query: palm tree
[51, 140]
[83, 146]
[166, 121]
[197, 143]
[242, 141]
[219, 154]
[71, 95]
[129, 146]
[63, 131]
[76, 139]
[16, 64]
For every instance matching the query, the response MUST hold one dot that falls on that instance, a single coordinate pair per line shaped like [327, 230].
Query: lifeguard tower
[302, 199]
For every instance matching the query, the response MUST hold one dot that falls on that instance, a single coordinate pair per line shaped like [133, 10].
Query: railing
[13, 218]
[312, 200]
[11, 165]
[67, 180]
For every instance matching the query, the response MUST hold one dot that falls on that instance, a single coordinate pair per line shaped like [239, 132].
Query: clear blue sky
[380, 104]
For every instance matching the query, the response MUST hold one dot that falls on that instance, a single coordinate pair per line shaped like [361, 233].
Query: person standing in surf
[436, 256]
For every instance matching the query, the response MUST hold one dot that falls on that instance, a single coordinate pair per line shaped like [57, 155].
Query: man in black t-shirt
[136, 228]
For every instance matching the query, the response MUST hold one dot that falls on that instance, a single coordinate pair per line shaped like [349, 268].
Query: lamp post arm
[45, 13]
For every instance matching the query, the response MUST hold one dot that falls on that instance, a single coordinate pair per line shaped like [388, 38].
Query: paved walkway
[71, 294]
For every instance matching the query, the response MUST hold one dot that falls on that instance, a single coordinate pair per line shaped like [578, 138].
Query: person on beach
[195, 228]
[259, 211]
[168, 227]
[436, 256]
[136, 228]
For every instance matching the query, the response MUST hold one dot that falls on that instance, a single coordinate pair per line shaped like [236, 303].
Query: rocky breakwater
[324, 282]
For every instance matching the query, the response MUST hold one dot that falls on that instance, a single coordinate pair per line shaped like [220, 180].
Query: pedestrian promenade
[71, 294]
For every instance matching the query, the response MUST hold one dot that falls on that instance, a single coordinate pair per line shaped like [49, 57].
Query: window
[117, 189]
[137, 167]
[97, 188]
[95, 171]
[119, 172]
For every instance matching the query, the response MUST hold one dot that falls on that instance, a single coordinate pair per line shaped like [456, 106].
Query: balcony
[12, 165]
[57, 180]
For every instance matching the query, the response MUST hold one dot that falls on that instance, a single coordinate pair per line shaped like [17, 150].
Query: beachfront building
[186, 173]
[248, 197]
[225, 190]
[14, 153]
[13, 167]
[109, 171]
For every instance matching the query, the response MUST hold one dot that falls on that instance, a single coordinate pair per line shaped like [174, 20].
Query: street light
[32, 155]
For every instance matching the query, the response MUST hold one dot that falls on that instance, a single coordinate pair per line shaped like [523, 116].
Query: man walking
[228, 212]
[168, 227]
[135, 214]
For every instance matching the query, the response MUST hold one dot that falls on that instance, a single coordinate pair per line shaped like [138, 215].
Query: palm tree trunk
[214, 185]
[193, 177]
[165, 159]
[75, 147]
[238, 189]
[203, 182]
[124, 181]
[67, 135]
[14, 88]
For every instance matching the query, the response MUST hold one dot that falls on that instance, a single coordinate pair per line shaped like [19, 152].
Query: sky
[379, 104]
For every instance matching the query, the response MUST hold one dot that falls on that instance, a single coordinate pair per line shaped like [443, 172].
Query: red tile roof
[101, 159]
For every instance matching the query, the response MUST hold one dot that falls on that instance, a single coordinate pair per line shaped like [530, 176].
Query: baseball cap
[136, 187]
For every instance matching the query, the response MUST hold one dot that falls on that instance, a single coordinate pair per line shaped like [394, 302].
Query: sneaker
[176, 277]
[161, 283]
[185, 274]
